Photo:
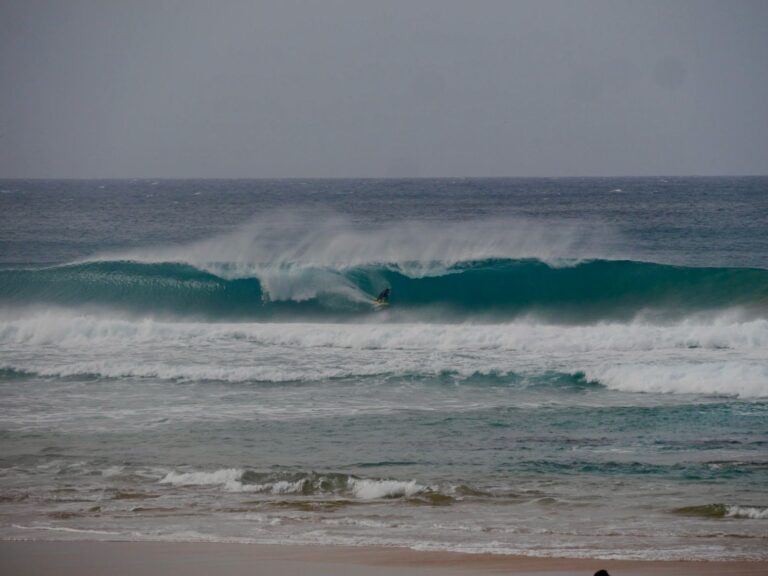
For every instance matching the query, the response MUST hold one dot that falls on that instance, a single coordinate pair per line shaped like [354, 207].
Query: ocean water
[568, 367]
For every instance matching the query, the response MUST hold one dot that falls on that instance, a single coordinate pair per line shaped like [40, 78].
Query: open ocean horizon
[572, 367]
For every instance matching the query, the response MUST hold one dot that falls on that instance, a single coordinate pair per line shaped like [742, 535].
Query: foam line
[717, 356]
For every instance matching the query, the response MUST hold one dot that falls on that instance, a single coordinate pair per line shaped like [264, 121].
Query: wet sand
[30, 558]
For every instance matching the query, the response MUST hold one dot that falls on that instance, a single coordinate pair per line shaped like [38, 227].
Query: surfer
[383, 297]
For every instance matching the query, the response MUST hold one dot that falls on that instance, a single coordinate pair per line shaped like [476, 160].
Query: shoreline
[84, 558]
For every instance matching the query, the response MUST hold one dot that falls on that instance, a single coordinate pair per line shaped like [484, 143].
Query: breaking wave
[498, 288]
[720, 355]
[302, 484]
[725, 511]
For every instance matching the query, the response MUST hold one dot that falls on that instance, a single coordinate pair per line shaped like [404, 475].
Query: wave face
[584, 291]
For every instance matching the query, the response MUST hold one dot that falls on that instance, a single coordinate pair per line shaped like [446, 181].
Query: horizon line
[573, 177]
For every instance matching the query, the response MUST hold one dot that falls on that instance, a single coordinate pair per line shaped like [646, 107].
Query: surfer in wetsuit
[383, 297]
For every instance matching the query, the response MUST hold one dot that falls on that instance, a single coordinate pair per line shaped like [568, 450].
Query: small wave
[704, 510]
[8, 373]
[738, 380]
[240, 480]
[218, 477]
[725, 511]
[373, 489]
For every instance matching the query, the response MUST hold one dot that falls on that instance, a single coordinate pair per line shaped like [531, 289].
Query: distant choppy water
[568, 367]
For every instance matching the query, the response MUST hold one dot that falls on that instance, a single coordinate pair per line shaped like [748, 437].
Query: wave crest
[586, 291]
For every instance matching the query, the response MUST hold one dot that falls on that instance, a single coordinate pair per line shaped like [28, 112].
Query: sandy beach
[30, 558]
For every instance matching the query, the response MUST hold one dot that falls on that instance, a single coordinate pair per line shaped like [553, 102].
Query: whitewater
[563, 370]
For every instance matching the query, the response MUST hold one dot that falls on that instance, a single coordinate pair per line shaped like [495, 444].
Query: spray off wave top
[284, 267]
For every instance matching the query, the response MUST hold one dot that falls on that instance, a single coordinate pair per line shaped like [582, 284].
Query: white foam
[721, 355]
[751, 512]
[230, 479]
[217, 477]
[743, 379]
[112, 471]
[373, 489]
[285, 487]
[65, 529]
[279, 487]
[75, 330]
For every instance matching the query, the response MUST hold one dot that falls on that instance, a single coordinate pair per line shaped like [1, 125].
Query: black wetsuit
[384, 296]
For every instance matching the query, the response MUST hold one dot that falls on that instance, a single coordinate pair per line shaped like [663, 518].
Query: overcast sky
[326, 88]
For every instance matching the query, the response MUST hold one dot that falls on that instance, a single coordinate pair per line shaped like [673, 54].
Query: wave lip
[499, 288]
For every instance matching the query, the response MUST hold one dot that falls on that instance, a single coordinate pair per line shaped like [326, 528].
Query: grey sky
[236, 88]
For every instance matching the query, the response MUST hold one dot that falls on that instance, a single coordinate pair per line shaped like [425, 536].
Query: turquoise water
[592, 290]
[568, 367]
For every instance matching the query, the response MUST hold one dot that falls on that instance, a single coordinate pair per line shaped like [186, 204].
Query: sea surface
[567, 367]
